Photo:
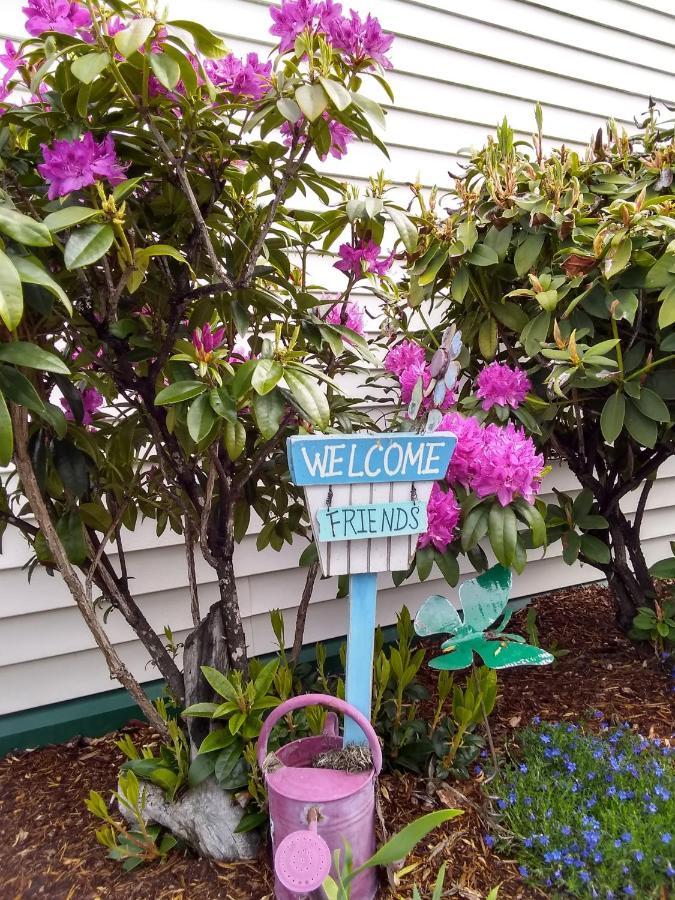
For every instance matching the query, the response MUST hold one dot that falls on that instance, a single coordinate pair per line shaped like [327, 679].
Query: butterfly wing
[459, 656]
[451, 375]
[506, 655]
[483, 598]
[437, 615]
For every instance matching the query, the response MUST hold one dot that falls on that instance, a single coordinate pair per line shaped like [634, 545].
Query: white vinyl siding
[459, 68]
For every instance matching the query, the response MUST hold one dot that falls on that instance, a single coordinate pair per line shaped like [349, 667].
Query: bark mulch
[47, 844]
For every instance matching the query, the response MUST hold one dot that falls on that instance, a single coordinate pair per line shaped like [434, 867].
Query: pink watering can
[315, 811]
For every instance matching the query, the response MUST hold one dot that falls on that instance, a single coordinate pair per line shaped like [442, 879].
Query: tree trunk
[628, 574]
[205, 646]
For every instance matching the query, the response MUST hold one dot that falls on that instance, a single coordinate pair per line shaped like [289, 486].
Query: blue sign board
[369, 458]
[372, 520]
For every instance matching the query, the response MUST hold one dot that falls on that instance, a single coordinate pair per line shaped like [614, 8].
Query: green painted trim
[100, 713]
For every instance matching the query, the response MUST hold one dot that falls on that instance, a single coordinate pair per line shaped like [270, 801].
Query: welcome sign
[367, 494]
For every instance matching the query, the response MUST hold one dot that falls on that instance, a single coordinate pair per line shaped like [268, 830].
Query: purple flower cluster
[361, 42]
[604, 831]
[363, 259]
[206, 341]
[402, 356]
[510, 466]
[443, 512]
[340, 136]
[72, 165]
[11, 59]
[247, 77]
[92, 401]
[63, 16]
[349, 314]
[407, 361]
[500, 385]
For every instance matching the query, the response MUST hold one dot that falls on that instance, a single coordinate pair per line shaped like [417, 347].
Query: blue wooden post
[360, 639]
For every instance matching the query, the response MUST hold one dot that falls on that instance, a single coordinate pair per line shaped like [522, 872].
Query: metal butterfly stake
[480, 629]
[444, 369]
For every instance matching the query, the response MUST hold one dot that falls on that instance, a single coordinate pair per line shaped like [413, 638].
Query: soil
[47, 844]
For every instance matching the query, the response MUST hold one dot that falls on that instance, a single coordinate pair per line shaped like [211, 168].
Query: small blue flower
[639, 855]
[545, 738]
[489, 841]
[523, 768]
[629, 890]
[666, 837]
[523, 871]
[670, 871]
[585, 877]
[651, 808]
[528, 842]
[627, 837]
[565, 830]
[536, 720]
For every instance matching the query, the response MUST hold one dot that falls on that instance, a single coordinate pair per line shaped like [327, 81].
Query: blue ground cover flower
[591, 814]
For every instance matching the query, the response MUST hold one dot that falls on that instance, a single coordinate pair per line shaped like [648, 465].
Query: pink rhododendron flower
[340, 136]
[402, 356]
[509, 467]
[206, 341]
[363, 259]
[409, 378]
[92, 401]
[501, 385]
[293, 17]
[63, 16]
[11, 60]
[71, 165]
[466, 458]
[361, 40]
[442, 517]
[240, 352]
[348, 314]
[244, 77]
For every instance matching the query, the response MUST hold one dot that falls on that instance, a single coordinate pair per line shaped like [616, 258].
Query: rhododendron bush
[559, 270]
[161, 334]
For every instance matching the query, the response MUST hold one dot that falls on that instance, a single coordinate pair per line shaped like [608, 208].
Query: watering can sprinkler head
[303, 860]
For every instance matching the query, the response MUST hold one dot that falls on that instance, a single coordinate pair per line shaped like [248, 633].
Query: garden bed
[47, 844]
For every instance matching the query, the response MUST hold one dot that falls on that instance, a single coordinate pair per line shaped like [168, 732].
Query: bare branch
[192, 573]
[39, 507]
[301, 615]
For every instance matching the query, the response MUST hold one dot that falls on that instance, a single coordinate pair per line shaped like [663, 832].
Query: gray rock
[204, 818]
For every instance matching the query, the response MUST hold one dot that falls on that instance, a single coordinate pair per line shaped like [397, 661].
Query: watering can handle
[320, 700]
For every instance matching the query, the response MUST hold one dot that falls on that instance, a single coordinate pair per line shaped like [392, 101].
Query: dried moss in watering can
[352, 758]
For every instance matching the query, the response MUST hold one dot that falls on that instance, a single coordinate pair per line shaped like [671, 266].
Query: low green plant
[169, 768]
[132, 846]
[396, 848]
[590, 814]
[533, 635]
[455, 742]
[438, 886]
[657, 625]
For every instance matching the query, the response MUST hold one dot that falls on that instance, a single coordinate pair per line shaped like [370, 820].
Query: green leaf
[612, 417]
[200, 418]
[6, 434]
[73, 467]
[510, 314]
[488, 337]
[535, 332]
[406, 230]
[87, 68]
[216, 740]
[664, 568]
[31, 271]
[460, 284]
[220, 684]
[531, 515]
[179, 391]
[618, 257]
[401, 844]
[265, 678]
[667, 310]
[21, 353]
[371, 109]
[424, 561]
[165, 69]
[69, 528]
[309, 397]
[312, 100]
[87, 245]
[266, 375]
[571, 545]
[640, 428]
[448, 566]
[527, 252]
[201, 768]
[17, 388]
[68, 217]
[482, 255]
[652, 406]
[201, 710]
[23, 229]
[208, 44]
[660, 274]
[433, 266]
[11, 293]
[289, 109]
[474, 527]
[235, 439]
[503, 533]
[268, 409]
[134, 36]
[338, 95]
[595, 549]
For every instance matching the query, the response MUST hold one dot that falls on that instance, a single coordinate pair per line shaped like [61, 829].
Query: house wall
[458, 69]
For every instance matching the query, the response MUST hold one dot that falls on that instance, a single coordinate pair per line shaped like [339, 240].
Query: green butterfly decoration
[483, 601]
